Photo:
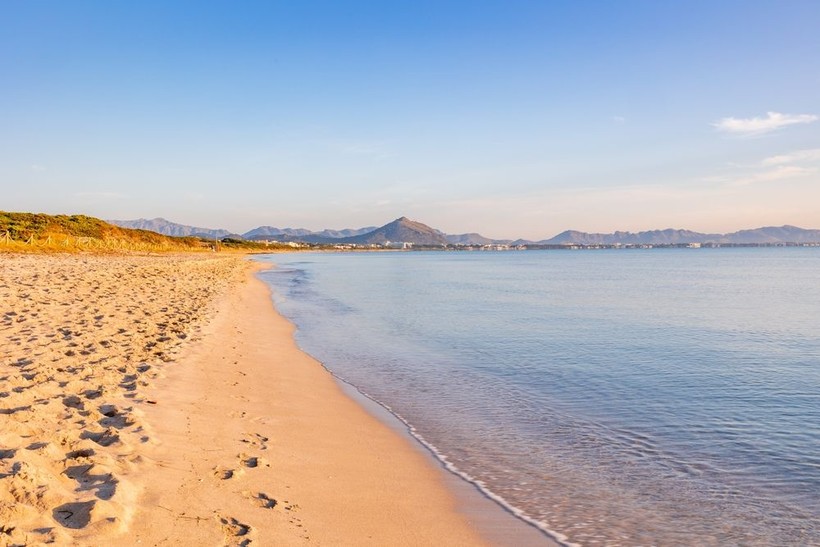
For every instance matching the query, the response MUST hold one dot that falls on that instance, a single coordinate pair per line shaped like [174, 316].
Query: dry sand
[80, 339]
[162, 401]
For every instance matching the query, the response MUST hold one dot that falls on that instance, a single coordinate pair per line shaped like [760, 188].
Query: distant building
[397, 245]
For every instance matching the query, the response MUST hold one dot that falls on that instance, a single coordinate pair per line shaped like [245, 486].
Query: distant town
[407, 246]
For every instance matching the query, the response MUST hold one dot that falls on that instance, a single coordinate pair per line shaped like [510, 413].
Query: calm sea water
[646, 397]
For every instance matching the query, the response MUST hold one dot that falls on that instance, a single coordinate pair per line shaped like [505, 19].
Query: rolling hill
[37, 231]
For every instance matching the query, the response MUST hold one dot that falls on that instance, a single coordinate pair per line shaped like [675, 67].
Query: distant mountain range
[268, 232]
[409, 231]
[768, 235]
[168, 228]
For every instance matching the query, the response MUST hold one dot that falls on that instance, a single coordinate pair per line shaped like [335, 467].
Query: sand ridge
[80, 338]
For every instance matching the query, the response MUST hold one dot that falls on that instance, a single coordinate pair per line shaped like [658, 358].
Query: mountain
[266, 232]
[653, 237]
[348, 232]
[299, 234]
[467, 239]
[168, 228]
[400, 230]
[775, 234]
[767, 235]
[405, 230]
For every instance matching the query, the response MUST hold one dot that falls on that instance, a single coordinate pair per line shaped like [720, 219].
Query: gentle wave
[452, 468]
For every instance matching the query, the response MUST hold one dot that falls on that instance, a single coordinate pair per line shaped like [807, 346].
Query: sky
[520, 118]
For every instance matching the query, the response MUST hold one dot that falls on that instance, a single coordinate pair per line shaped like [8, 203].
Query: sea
[608, 397]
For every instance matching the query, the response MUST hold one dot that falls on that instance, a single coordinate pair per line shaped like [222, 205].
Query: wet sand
[163, 401]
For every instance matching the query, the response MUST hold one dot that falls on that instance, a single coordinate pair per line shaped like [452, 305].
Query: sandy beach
[163, 401]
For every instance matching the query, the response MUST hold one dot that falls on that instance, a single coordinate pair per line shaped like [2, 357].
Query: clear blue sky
[513, 119]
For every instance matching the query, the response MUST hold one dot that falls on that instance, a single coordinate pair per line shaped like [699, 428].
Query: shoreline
[494, 519]
[291, 459]
[164, 400]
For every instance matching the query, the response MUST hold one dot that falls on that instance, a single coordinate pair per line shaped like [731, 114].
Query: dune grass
[36, 232]
[41, 233]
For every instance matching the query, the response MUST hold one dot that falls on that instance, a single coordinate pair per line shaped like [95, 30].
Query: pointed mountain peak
[401, 230]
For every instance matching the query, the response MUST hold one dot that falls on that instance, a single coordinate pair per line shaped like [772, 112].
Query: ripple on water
[620, 398]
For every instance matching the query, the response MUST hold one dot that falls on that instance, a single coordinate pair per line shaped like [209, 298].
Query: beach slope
[258, 443]
[163, 401]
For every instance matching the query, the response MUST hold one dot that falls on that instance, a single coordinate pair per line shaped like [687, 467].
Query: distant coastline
[30, 232]
[404, 233]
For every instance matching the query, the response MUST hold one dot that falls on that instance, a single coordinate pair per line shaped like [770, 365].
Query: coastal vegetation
[37, 232]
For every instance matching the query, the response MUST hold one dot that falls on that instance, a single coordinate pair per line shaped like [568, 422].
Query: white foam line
[441, 457]
[451, 467]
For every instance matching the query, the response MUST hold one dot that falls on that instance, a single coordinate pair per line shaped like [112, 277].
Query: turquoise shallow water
[626, 397]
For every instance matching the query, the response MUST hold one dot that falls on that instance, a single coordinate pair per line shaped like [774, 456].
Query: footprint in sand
[252, 462]
[104, 485]
[15, 410]
[261, 499]
[92, 394]
[72, 401]
[256, 440]
[74, 515]
[102, 438]
[235, 532]
[225, 473]
[77, 454]
[114, 417]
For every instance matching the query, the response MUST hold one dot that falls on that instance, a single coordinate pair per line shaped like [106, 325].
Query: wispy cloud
[618, 119]
[799, 156]
[37, 167]
[749, 127]
[799, 163]
[775, 174]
